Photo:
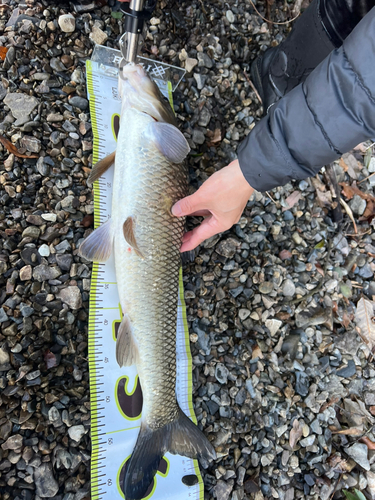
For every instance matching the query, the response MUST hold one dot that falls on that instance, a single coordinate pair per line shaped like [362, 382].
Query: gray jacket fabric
[318, 121]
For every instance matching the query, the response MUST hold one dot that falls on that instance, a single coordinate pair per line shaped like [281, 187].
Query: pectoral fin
[101, 167]
[126, 347]
[168, 140]
[98, 246]
[129, 235]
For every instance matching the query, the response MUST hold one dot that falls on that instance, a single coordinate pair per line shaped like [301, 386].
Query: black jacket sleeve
[318, 121]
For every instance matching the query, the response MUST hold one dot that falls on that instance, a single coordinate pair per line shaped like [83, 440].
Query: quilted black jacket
[318, 121]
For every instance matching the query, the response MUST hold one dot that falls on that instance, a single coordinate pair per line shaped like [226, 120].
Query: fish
[149, 177]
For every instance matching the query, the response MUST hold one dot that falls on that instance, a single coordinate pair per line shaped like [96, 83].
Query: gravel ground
[284, 389]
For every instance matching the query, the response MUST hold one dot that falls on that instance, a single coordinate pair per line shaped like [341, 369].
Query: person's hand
[221, 198]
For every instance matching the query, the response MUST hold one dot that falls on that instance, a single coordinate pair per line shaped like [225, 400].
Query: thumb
[187, 205]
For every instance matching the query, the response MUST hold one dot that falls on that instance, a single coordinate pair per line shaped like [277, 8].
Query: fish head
[139, 91]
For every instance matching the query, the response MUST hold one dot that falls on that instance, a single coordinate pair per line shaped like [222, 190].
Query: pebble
[67, 23]
[190, 64]
[44, 250]
[358, 205]
[266, 287]
[289, 288]
[71, 296]
[21, 106]
[359, 453]
[76, 432]
[221, 373]
[79, 102]
[46, 484]
[98, 36]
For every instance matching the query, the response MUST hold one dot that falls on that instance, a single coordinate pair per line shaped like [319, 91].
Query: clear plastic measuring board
[116, 399]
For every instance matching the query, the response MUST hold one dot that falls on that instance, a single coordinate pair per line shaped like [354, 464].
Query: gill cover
[138, 91]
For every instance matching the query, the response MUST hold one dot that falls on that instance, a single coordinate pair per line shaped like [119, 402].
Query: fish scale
[148, 287]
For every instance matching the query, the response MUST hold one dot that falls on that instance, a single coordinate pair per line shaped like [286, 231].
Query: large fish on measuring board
[149, 178]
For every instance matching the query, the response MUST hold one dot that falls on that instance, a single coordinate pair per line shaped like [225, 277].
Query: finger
[189, 205]
[208, 228]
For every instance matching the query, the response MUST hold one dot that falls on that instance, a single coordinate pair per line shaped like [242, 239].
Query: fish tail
[180, 437]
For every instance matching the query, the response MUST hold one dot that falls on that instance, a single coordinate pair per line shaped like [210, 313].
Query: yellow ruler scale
[115, 392]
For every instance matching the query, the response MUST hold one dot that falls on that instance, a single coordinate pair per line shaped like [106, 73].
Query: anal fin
[98, 246]
[126, 347]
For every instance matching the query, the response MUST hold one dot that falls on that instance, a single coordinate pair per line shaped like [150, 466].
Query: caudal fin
[180, 437]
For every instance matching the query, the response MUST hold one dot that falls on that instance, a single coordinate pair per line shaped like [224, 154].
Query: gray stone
[63, 246]
[44, 273]
[358, 452]
[3, 315]
[76, 432]
[204, 117]
[21, 105]
[227, 248]
[266, 287]
[13, 442]
[347, 371]
[54, 416]
[79, 102]
[56, 65]
[358, 205]
[67, 23]
[204, 60]
[221, 373]
[198, 137]
[289, 288]
[64, 261]
[46, 484]
[4, 360]
[222, 490]
[366, 271]
[3, 91]
[31, 143]
[200, 79]
[71, 296]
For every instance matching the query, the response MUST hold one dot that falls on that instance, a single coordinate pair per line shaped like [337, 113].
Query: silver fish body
[149, 178]
[146, 185]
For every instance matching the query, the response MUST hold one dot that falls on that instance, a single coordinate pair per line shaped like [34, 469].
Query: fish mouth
[139, 91]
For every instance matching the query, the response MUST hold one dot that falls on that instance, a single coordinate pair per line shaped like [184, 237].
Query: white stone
[190, 64]
[273, 325]
[44, 250]
[67, 23]
[76, 432]
[49, 217]
[98, 36]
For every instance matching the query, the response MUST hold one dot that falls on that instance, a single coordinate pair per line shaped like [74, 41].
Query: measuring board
[116, 399]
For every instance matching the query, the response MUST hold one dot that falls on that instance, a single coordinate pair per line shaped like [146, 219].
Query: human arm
[311, 126]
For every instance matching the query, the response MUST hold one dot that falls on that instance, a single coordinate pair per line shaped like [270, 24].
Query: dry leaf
[354, 189]
[12, 148]
[369, 212]
[319, 268]
[3, 53]
[340, 464]
[324, 198]
[295, 434]
[216, 138]
[364, 320]
[351, 431]
[351, 165]
[343, 165]
[347, 190]
[370, 444]
[292, 200]
[285, 254]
